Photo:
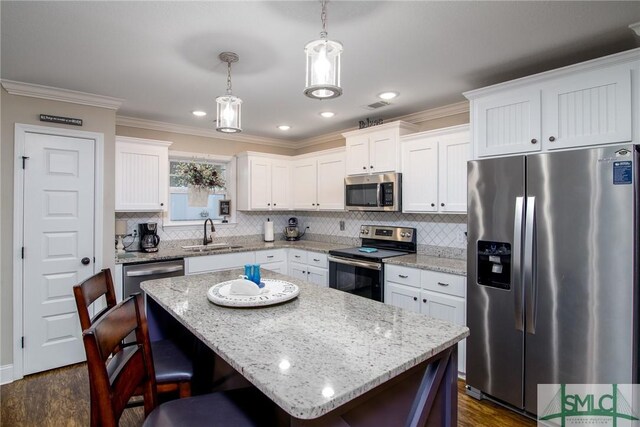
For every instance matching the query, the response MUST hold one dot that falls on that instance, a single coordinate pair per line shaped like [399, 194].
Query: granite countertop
[314, 353]
[165, 253]
[426, 262]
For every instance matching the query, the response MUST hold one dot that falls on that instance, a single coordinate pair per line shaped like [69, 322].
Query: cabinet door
[304, 185]
[383, 151]
[280, 186]
[588, 108]
[506, 124]
[453, 154]
[357, 155]
[331, 173]
[318, 276]
[402, 296]
[142, 177]
[451, 309]
[260, 184]
[420, 175]
[299, 271]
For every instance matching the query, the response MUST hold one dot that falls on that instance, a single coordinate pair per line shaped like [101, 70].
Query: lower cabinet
[309, 266]
[273, 260]
[203, 264]
[437, 295]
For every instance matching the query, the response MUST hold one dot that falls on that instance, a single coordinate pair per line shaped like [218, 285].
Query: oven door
[364, 278]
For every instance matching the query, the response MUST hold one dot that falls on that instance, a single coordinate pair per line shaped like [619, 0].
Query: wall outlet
[341, 225]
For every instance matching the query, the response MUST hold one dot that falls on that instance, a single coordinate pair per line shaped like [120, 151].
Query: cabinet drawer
[449, 284]
[271, 255]
[201, 264]
[297, 255]
[317, 259]
[278, 267]
[404, 275]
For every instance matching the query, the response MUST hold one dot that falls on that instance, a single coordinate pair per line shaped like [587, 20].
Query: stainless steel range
[360, 270]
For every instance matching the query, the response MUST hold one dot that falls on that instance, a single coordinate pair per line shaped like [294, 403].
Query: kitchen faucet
[206, 240]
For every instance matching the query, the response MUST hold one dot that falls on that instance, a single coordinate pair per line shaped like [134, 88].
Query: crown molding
[63, 95]
[635, 27]
[209, 133]
[419, 117]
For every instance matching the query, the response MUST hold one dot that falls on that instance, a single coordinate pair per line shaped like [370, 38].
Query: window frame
[230, 186]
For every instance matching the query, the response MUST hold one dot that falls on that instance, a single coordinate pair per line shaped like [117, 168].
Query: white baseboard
[6, 374]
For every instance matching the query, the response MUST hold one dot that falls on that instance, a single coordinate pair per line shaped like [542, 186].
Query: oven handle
[363, 264]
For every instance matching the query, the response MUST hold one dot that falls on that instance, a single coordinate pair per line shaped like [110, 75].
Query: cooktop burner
[356, 253]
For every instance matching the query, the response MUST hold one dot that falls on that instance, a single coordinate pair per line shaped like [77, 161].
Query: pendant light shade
[323, 65]
[228, 112]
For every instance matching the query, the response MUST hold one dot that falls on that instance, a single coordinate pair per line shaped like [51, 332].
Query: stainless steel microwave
[379, 192]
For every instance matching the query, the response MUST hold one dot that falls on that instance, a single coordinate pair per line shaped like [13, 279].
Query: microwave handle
[380, 193]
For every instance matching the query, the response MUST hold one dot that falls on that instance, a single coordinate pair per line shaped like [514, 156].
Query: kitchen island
[327, 357]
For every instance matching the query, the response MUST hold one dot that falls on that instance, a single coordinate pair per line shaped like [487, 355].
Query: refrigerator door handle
[530, 285]
[517, 263]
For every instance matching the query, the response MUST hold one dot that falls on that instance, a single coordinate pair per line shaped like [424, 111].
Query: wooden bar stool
[117, 373]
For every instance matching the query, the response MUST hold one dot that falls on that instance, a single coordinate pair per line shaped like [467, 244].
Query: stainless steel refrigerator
[552, 270]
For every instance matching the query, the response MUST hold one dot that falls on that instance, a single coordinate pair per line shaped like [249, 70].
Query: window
[179, 212]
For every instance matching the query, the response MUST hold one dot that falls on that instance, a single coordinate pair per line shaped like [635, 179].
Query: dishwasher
[134, 274]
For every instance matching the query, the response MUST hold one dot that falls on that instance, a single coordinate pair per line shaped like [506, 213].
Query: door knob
[85, 261]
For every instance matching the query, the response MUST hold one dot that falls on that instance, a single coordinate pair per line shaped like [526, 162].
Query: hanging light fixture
[323, 64]
[228, 111]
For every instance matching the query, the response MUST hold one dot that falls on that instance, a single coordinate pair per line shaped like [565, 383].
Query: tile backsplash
[446, 231]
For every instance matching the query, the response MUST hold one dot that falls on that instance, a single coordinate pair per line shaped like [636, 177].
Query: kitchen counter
[425, 262]
[166, 253]
[315, 353]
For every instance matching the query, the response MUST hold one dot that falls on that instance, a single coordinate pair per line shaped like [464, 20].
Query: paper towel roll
[268, 231]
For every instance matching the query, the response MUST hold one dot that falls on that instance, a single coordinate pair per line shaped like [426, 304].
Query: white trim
[18, 211]
[389, 125]
[188, 155]
[6, 374]
[146, 141]
[64, 95]
[437, 132]
[209, 133]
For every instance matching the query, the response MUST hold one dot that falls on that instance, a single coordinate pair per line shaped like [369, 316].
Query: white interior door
[58, 234]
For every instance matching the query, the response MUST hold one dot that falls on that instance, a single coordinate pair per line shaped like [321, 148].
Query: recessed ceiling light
[327, 114]
[199, 113]
[388, 95]
[284, 127]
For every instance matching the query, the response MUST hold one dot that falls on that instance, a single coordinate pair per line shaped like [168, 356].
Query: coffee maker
[149, 239]
[291, 231]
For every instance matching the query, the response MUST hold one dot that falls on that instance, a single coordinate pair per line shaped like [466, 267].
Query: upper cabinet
[264, 182]
[375, 149]
[434, 170]
[306, 182]
[581, 105]
[142, 174]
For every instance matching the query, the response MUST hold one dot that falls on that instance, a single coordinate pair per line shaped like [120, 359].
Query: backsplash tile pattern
[433, 230]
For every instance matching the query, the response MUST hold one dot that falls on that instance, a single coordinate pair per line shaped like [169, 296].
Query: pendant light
[323, 64]
[228, 111]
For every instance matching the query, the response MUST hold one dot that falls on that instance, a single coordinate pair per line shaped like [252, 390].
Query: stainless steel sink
[210, 247]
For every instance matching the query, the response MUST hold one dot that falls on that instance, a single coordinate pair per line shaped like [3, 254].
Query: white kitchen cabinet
[309, 266]
[142, 174]
[591, 103]
[318, 182]
[264, 182]
[434, 170]
[435, 294]
[589, 109]
[305, 184]
[272, 259]
[402, 296]
[375, 149]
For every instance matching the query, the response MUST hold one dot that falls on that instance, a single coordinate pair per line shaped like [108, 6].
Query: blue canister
[256, 274]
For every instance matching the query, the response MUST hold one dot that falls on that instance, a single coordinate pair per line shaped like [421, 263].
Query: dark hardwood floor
[61, 398]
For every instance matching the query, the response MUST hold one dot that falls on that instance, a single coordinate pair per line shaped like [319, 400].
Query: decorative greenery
[200, 175]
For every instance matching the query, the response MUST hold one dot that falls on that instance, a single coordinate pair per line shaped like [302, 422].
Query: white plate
[277, 291]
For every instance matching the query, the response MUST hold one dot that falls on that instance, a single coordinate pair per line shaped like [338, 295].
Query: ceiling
[162, 57]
